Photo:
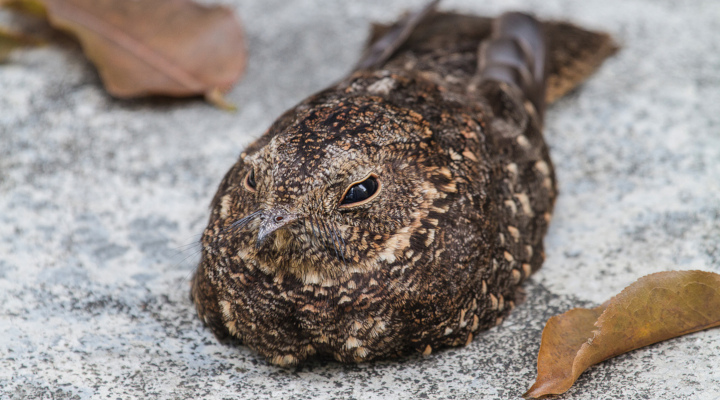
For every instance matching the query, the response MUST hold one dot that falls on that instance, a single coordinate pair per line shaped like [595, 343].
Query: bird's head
[336, 188]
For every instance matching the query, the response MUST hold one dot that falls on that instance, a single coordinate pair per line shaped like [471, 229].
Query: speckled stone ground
[99, 198]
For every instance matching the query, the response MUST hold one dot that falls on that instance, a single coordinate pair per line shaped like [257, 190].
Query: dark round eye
[361, 191]
[250, 181]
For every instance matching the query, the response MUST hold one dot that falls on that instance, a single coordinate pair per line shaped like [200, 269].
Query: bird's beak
[272, 221]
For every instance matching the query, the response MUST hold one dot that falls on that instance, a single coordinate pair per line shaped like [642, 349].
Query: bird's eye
[250, 181]
[361, 192]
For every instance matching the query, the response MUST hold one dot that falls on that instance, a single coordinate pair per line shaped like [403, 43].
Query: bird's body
[400, 208]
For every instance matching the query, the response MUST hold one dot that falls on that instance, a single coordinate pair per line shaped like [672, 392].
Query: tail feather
[557, 56]
[529, 33]
[515, 53]
[574, 54]
[384, 46]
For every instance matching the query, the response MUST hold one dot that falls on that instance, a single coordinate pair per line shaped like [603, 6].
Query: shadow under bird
[400, 209]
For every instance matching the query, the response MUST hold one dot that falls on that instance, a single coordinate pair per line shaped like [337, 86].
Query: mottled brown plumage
[447, 124]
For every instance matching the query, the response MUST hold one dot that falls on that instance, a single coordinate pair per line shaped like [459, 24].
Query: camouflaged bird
[401, 208]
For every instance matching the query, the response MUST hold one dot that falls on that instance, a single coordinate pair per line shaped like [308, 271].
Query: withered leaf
[656, 307]
[27, 6]
[155, 47]
[12, 40]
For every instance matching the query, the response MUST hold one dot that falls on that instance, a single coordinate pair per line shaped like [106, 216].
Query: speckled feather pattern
[466, 194]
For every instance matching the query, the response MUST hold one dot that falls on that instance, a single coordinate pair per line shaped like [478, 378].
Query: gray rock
[102, 200]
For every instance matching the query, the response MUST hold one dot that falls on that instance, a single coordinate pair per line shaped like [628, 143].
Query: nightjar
[401, 208]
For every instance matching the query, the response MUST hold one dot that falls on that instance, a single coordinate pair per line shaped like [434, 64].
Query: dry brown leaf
[9, 41]
[34, 7]
[155, 47]
[656, 307]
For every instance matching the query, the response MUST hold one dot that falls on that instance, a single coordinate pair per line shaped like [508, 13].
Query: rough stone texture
[101, 201]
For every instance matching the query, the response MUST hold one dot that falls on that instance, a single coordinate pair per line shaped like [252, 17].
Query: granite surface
[102, 200]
